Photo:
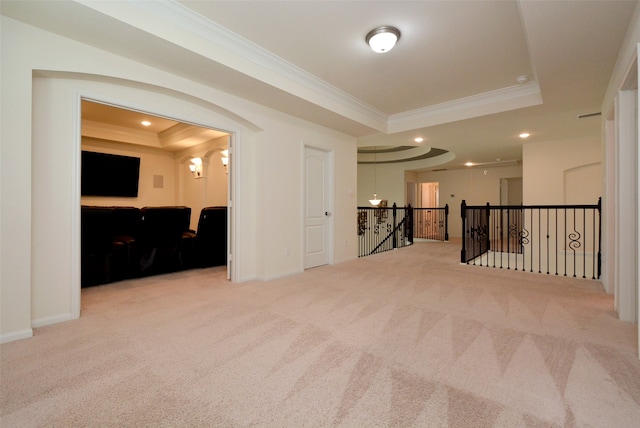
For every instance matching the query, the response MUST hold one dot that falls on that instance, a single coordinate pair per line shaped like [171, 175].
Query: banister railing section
[382, 229]
[431, 223]
[552, 239]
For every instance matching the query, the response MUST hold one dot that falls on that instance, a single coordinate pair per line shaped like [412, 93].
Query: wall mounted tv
[109, 175]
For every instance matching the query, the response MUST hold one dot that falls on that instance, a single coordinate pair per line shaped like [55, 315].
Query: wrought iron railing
[382, 229]
[431, 223]
[551, 239]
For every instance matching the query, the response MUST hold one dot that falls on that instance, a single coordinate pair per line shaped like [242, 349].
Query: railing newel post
[599, 236]
[410, 224]
[463, 214]
[446, 222]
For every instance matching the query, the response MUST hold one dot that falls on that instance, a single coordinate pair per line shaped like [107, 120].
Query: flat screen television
[105, 174]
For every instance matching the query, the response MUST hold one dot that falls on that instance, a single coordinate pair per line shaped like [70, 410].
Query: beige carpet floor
[404, 338]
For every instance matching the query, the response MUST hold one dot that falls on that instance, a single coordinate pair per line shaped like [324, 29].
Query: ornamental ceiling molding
[175, 23]
[400, 154]
[497, 101]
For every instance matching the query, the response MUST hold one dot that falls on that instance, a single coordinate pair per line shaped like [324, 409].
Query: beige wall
[39, 276]
[390, 179]
[209, 190]
[389, 183]
[565, 172]
[179, 187]
[562, 172]
[152, 162]
[472, 185]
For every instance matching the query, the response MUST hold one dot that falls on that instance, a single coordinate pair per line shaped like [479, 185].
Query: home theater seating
[126, 242]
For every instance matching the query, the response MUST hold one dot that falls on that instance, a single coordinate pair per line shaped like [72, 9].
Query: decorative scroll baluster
[383, 229]
[521, 238]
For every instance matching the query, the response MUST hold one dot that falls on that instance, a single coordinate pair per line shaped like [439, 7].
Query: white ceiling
[447, 50]
[451, 78]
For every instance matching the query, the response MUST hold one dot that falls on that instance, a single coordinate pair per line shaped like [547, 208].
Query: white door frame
[329, 196]
[232, 273]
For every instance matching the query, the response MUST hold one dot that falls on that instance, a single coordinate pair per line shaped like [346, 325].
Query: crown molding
[184, 135]
[121, 134]
[500, 100]
[381, 157]
[176, 23]
[211, 40]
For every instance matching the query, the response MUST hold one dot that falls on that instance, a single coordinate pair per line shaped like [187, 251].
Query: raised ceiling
[112, 123]
[451, 79]
[447, 50]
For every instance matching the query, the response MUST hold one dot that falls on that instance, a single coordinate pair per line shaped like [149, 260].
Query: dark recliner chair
[125, 246]
[96, 231]
[160, 239]
[211, 239]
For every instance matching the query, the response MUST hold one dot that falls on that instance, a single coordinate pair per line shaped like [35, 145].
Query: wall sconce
[225, 160]
[196, 167]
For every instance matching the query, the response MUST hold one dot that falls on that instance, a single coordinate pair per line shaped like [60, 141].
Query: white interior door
[317, 207]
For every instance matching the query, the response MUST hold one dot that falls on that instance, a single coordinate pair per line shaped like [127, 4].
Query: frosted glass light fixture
[225, 159]
[383, 39]
[196, 167]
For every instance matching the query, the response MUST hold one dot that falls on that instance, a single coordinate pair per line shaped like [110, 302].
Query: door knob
[327, 213]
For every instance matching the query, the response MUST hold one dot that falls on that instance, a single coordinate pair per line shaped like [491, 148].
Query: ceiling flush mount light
[383, 39]
[524, 135]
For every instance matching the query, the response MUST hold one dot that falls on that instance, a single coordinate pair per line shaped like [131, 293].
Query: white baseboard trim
[16, 335]
[278, 276]
[245, 279]
[41, 322]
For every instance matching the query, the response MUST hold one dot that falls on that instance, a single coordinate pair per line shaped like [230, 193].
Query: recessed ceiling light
[524, 135]
[418, 139]
[145, 123]
[468, 164]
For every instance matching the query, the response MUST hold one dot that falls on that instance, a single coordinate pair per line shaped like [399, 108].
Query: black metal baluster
[518, 229]
[539, 244]
[599, 236]
[495, 246]
[463, 214]
[566, 250]
[584, 251]
[547, 241]
[446, 222]
[576, 245]
[556, 240]
[508, 239]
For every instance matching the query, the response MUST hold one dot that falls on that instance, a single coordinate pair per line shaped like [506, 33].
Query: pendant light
[375, 201]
